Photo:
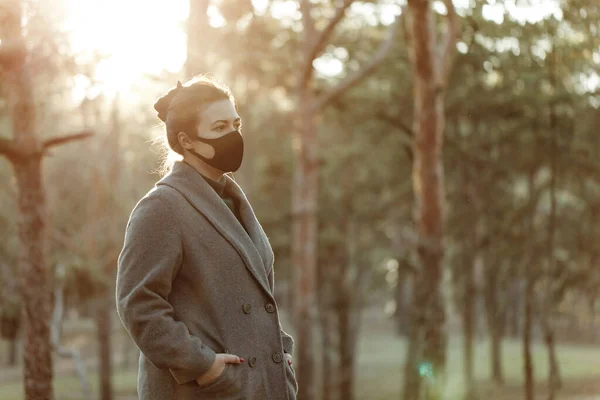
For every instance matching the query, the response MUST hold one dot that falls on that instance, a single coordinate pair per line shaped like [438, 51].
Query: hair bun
[163, 104]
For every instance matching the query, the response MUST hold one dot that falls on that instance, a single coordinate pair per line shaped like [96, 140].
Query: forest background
[428, 174]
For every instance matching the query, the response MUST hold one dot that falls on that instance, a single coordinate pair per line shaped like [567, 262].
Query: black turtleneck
[221, 189]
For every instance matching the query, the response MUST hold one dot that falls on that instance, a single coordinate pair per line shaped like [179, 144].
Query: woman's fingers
[231, 359]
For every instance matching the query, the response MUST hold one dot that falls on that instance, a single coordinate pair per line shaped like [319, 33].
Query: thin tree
[25, 152]
[305, 184]
[103, 207]
[432, 59]
[554, 373]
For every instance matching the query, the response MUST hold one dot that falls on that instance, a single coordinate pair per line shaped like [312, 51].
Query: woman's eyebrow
[238, 119]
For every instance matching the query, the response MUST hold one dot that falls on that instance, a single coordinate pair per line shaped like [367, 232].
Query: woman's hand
[217, 367]
[288, 358]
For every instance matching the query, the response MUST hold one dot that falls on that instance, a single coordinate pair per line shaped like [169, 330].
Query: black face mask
[229, 151]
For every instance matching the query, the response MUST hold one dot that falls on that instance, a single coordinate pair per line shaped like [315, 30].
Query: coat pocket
[225, 385]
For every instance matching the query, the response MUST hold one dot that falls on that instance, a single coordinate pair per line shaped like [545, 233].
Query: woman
[195, 276]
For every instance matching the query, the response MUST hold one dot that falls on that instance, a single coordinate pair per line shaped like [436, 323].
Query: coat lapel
[253, 227]
[252, 246]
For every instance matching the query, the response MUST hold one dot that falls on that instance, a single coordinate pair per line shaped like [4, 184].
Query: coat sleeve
[148, 263]
[286, 338]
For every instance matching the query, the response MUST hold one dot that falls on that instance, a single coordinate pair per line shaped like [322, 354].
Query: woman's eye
[221, 128]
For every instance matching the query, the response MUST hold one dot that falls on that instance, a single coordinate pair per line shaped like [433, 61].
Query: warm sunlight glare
[138, 37]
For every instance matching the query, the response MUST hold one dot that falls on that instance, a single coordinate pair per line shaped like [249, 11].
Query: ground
[379, 372]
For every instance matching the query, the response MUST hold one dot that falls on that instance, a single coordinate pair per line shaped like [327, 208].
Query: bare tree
[25, 152]
[431, 58]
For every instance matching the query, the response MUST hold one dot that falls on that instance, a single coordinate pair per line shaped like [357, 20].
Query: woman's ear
[184, 140]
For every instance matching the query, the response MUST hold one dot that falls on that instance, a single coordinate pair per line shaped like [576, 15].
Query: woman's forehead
[219, 110]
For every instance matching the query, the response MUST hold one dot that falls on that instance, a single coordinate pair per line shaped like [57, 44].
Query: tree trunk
[304, 242]
[527, 326]
[514, 307]
[326, 299]
[469, 302]
[347, 292]
[327, 360]
[402, 294]
[430, 77]
[496, 352]
[305, 186]
[554, 377]
[35, 290]
[469, 292]
[103, 329]
[494, 323]
[528, 301]
[554, 380]
[346, 348]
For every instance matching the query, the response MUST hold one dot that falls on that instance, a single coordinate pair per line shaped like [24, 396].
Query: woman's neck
[203, 168]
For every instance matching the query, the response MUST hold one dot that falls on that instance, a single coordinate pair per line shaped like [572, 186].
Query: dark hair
[180, 109]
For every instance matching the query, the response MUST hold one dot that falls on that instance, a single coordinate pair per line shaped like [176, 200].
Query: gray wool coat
[192, 282]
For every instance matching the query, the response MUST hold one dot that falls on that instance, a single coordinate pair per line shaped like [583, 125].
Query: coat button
[252, 361]
[247, 308]
[277, 357]
[270, 307]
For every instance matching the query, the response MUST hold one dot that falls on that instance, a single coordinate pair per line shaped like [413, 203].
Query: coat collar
[251, 243]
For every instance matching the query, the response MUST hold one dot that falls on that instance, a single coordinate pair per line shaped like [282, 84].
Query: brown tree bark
[304, 243]
[25, 152]
[104, 311]
[305, 185]
[431, 66]
[34, 287]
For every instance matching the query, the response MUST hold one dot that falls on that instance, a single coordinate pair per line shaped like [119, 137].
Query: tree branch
[9, 149]
[65, 139]
[316, 42]
[447, 49]
[362, 73]
[321, 41]
[397, 122]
